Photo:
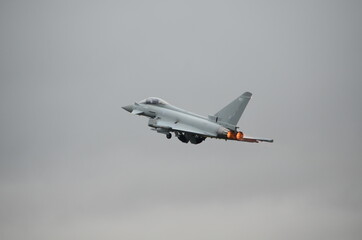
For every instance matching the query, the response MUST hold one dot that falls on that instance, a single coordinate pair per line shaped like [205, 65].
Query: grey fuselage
[166, 116]
[190, 127]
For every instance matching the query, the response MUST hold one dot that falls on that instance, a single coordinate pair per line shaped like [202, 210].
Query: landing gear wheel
[168, 135]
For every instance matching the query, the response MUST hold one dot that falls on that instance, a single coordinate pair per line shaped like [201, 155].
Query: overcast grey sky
[75, 165]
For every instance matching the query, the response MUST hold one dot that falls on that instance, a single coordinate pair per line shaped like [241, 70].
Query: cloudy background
[75, 165]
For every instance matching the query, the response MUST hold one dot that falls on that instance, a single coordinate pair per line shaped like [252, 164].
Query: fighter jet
[189, 127]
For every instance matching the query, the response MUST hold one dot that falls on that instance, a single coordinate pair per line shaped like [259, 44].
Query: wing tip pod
[247, 94]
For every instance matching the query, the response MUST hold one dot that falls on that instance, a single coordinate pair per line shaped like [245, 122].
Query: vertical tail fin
[231, 113]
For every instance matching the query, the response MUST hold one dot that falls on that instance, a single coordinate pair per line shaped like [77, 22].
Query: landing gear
[183, 139]
[189, 137]
[168, 135]
[196, 139]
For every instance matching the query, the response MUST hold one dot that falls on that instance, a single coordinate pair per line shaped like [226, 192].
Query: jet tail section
[229, 116]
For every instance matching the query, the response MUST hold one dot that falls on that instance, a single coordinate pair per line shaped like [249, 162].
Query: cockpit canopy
[154, 101]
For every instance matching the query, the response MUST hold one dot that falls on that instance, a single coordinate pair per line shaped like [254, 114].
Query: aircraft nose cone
[128, 108]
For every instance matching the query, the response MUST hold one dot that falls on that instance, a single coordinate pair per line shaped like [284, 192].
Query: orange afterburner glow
[239, 136]
[235, 135]
[230, 135]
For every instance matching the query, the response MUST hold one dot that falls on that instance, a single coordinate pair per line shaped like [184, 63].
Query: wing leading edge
[256, 140]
